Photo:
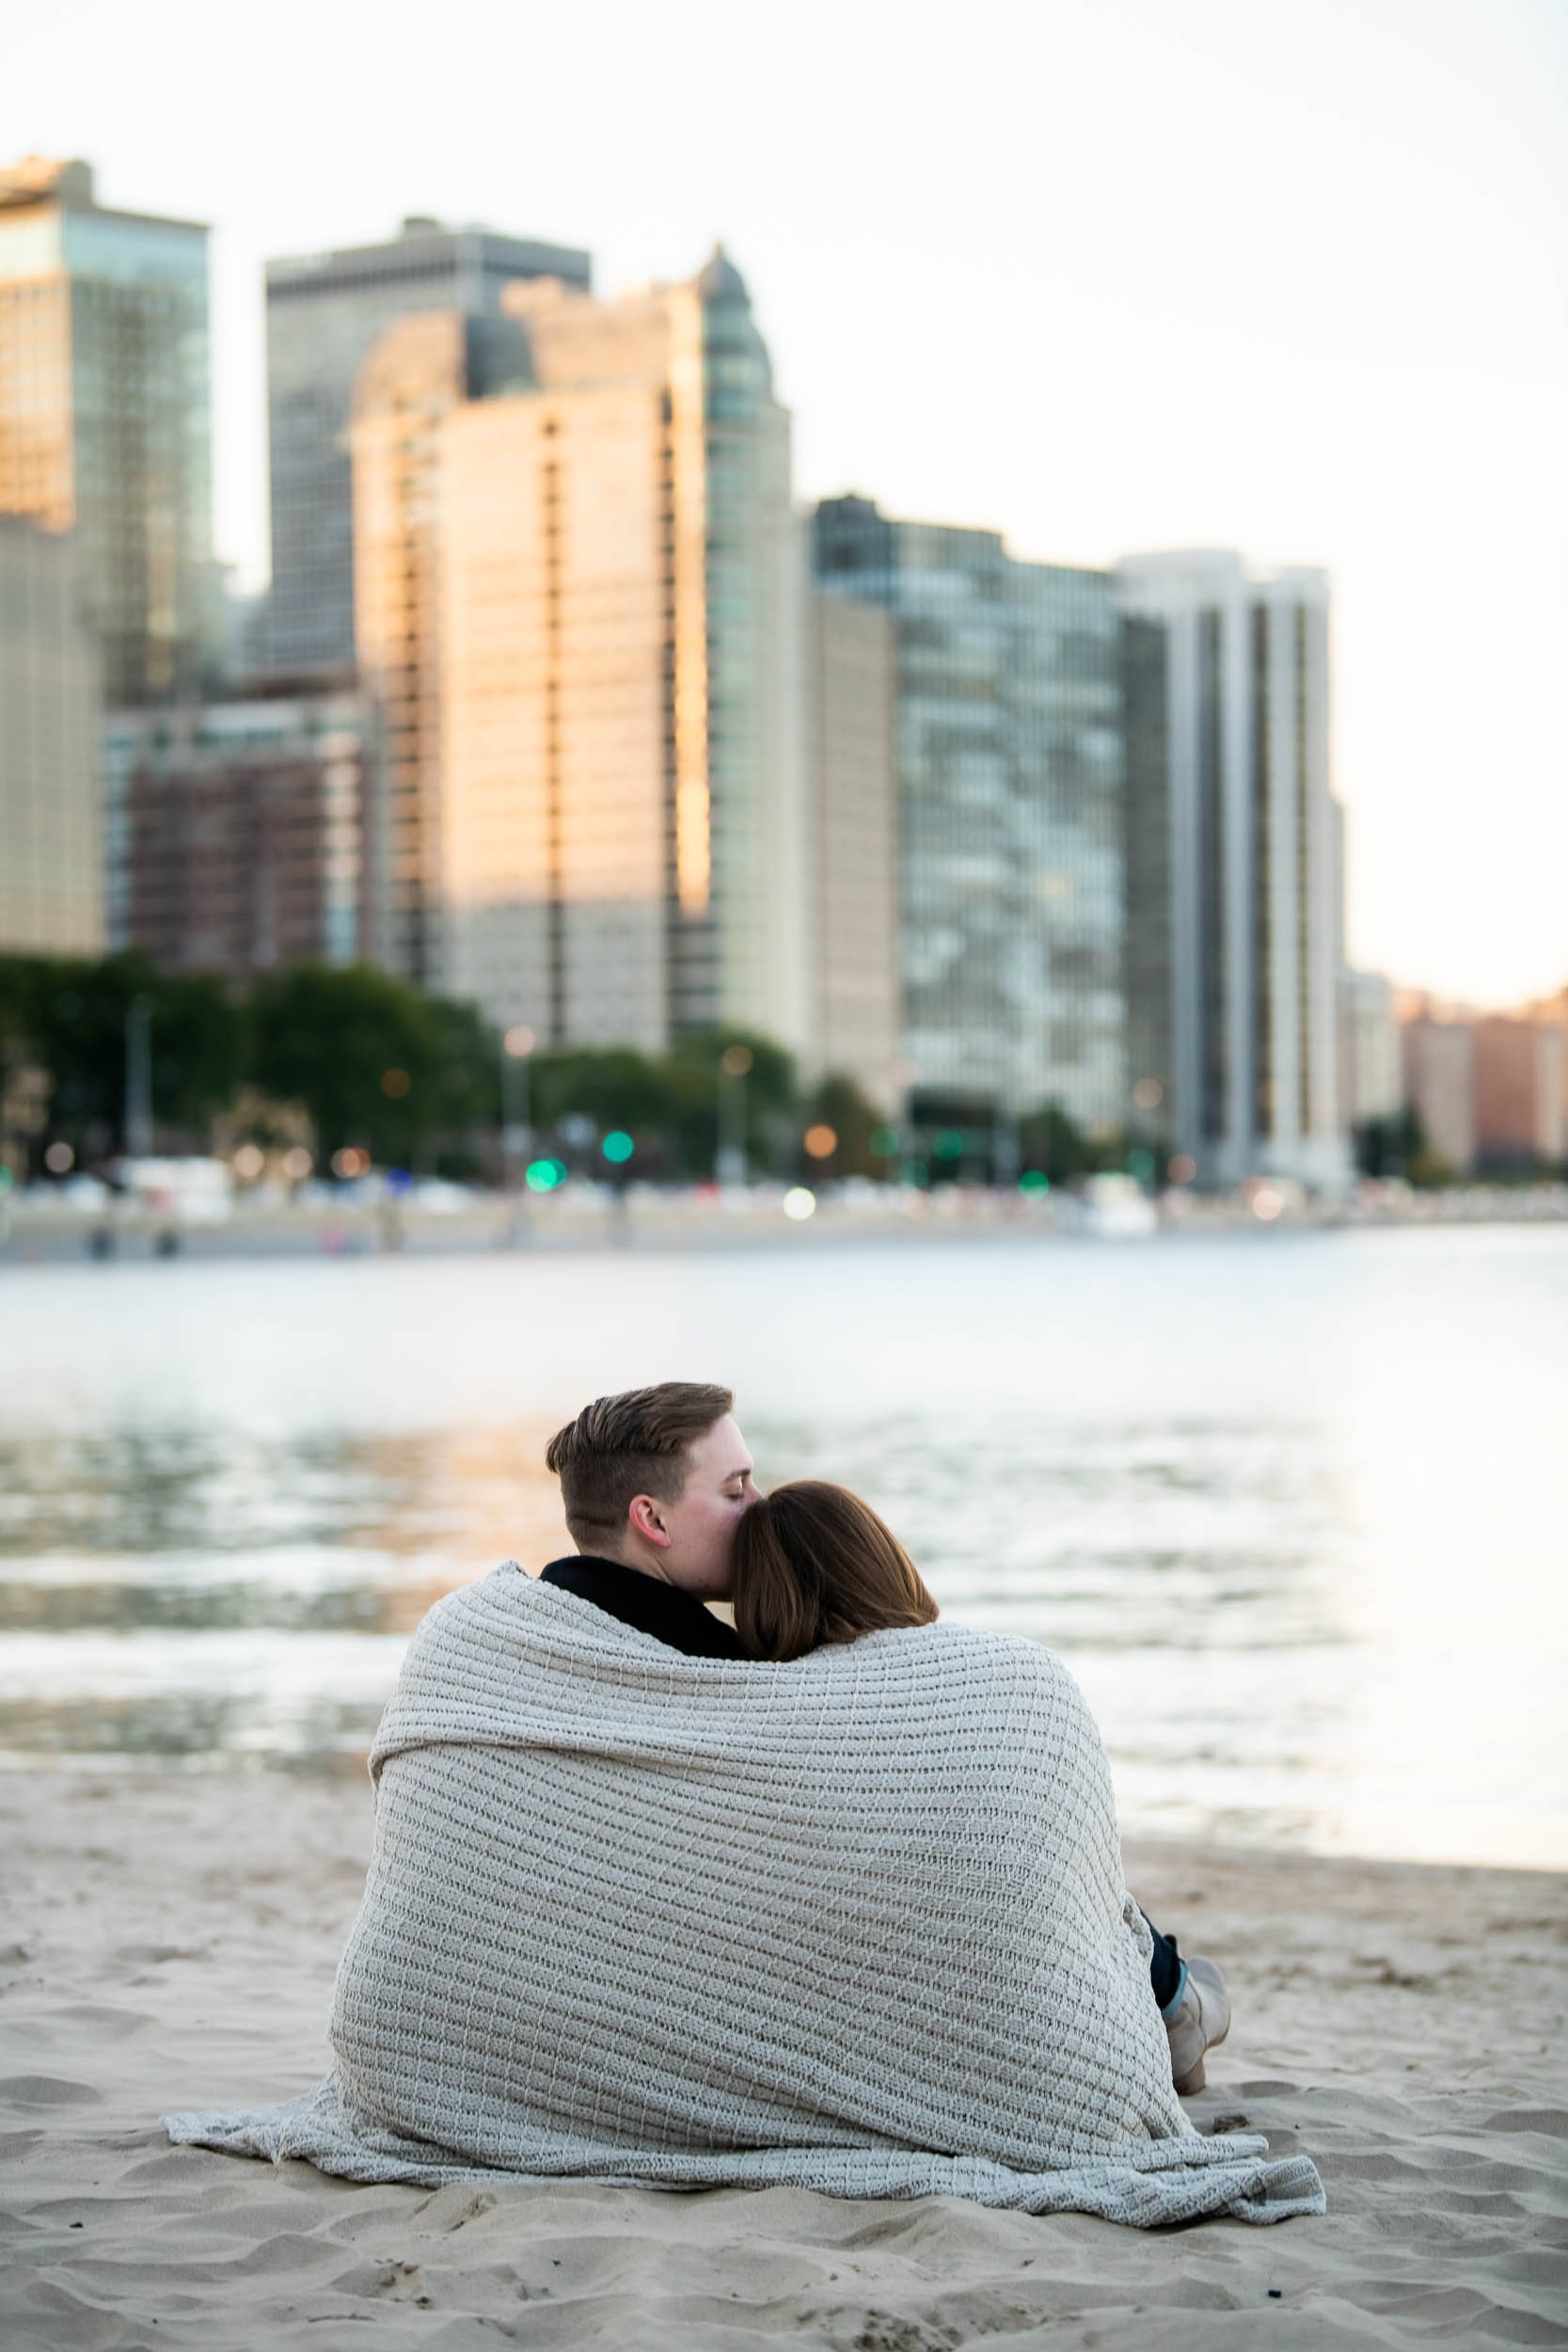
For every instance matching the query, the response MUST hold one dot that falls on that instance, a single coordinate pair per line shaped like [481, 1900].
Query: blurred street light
[138, 1077]
[517, 1121]
[734, 1061]
[1005, 1155]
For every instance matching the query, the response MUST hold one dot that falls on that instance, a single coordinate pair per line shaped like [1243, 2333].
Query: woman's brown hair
[813, 1565]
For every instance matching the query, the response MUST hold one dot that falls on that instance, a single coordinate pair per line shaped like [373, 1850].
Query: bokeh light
[59, 1159]
[821, 1141]
[618, 1147]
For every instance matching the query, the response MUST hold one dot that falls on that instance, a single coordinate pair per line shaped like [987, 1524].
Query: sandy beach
[170, 1941]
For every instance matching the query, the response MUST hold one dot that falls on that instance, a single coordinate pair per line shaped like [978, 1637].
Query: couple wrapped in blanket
[832, 1899]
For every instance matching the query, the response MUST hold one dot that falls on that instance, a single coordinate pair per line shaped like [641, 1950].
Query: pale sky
[1289, 275]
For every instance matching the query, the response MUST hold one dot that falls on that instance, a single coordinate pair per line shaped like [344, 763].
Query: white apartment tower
[1234, 894]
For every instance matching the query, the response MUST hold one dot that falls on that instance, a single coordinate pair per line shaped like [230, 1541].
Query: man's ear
[643, 1512]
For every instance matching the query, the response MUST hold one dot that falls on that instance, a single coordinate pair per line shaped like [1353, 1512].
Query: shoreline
[30, 1238]
[172, 1939]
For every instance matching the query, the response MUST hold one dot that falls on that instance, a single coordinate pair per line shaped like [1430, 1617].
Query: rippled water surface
[1293, 1507]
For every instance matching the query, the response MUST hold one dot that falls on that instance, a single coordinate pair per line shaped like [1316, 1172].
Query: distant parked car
[81, 1191]
[192, 1191]
[1115, 1208]
[440, 1198]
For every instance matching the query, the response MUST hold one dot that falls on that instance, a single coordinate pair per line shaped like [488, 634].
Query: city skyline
[1368, 379]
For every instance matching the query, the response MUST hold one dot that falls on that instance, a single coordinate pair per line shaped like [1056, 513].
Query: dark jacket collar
[672, 1616]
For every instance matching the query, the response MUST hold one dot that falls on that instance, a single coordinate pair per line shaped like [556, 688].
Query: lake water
[1293, 1507]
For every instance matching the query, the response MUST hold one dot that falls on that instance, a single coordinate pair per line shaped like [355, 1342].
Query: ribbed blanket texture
[856, 1923]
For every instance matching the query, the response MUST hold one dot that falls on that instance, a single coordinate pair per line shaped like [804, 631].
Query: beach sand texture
[170, 1941]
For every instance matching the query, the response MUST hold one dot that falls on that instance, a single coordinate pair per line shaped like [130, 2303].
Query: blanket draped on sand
[856, 1924]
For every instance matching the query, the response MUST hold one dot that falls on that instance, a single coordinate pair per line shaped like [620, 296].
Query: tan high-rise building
[105, 420]
[1438, 1048]
[853, 679]
[1521, 1067]
[50, 859]
[423, 369]
[578, 593]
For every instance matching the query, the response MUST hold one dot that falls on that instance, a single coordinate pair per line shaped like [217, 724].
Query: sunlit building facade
[424, 368]
[242, 831]
[50, 859]
[1009, 763]
[324, 312]
[106, 416]
[1234, 899]
[579, 597]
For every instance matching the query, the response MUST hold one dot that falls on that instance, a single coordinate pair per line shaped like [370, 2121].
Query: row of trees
[1397, 1147]
[300, 1047]
[336, 1058]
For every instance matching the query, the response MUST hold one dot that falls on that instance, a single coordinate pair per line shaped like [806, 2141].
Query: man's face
[720, 1489]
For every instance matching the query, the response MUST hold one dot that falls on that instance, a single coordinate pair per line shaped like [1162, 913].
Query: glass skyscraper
[1009, 761]
[106, 416]
[324, 312]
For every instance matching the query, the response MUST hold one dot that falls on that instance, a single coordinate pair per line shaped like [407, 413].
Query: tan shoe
[1200, 2022]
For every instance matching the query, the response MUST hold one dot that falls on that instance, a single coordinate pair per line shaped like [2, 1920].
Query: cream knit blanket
[855, 1924]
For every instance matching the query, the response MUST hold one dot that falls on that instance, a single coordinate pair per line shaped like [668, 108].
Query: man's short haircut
[635, 1443]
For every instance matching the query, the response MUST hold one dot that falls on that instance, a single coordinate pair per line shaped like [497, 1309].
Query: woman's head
[814, 1563]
